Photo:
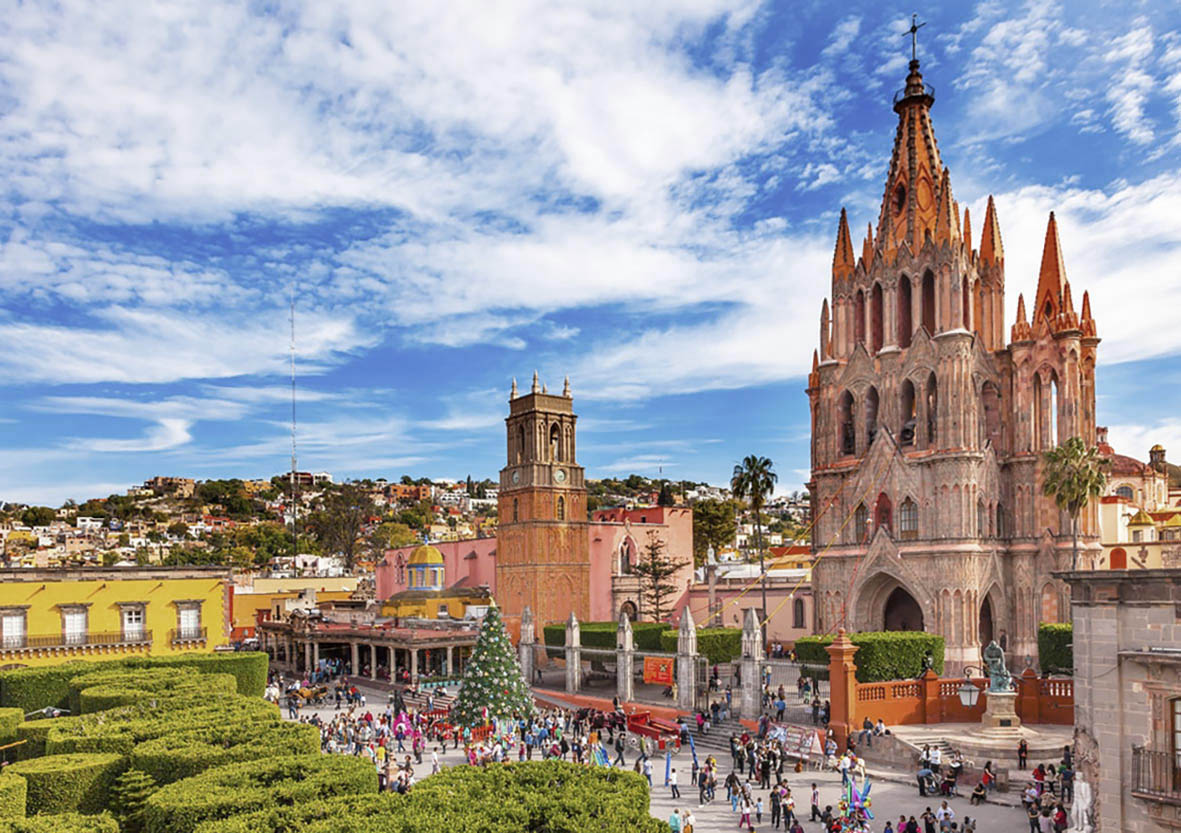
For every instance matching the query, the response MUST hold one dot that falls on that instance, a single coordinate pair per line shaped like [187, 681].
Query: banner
[799, 741]
[658, 670]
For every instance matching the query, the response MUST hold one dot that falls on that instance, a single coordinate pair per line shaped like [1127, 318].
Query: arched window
[1053, 426]
[928, 302]
[861, 524]
[908, 520]
[626, 556]
[905, 321]
[859, 321]
[555, 438]
[797, 613]
[883, 513]
[520, 443]
[871, 415]
[932, 409]
[1002, 523]
[1036, 428]
[876, 314]
[1125, 492]
[1119, 559]
[966, 291]
[907, 429]
[846, 436]
[981, 520]
[990, 425]
[561, 508]
[516, 514]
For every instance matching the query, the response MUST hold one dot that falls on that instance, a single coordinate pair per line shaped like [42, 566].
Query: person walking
[688, 821]
[1022, 754]
[815, 804]
[672, 783]
[674, 821]
[744, 819]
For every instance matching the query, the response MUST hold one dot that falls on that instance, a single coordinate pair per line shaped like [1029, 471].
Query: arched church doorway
[902, 612]
[985, 624]
[628, 609]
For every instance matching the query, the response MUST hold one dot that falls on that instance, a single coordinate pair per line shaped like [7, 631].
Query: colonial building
[1127, 699]
[928, 426]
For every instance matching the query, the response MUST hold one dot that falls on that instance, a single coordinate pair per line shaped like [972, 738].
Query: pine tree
[492, 678]
[655, 570]
[129, 795]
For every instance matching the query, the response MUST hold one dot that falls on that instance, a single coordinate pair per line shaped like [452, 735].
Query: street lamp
[969, 694]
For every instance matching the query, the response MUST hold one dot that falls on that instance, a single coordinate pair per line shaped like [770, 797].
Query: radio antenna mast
[294, 477]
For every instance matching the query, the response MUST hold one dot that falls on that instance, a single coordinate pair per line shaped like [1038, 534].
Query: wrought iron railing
[927, 90]
[189, 635]
[1156, 774]
[74, 640]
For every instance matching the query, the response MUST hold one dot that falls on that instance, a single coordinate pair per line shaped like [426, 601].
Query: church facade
[928, 425]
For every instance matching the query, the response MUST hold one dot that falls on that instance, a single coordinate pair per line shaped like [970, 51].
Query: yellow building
[49, 616]
[425, 597]
[271, 598]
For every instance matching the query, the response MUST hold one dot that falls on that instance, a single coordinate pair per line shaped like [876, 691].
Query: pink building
[618, 539]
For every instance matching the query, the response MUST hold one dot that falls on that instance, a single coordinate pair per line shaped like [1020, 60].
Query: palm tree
[1073, 475]
[753, 480]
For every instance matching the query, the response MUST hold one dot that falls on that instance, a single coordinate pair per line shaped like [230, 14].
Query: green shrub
[881, 655]
[119, 730]
[177, 755]
[99, 698]
[9, 720]
[516, 798]
[13, 794]
[645, 635]
[129, 796]
[61, 823]
[148, 679]
[256, 785]
[715, 644]
[30, 689]
[70, 783]
[248, 667]
[1055, 649]
[35, 732]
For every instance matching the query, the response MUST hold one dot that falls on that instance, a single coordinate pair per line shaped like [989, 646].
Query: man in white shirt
[944, 815]
[936, 759]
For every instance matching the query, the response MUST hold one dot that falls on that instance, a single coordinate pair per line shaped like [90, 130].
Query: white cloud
[1134, 439]
[843, 35]
[1129, 96]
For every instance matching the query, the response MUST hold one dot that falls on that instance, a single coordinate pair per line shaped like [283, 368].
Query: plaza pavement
[891, 795]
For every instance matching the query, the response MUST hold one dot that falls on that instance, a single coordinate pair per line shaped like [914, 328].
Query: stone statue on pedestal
[999, 678]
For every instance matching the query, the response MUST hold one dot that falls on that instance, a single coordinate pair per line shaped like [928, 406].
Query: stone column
[372, 661]
[687, 662]
[573, 655]
[315, 655]
[307, 656]
[524, 646]
[751, 699]
[447, 671]
[625, 659]
[413, 666]
[842, 687]
[354, 657]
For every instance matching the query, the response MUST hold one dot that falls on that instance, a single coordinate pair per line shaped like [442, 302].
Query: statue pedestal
[1000, 715]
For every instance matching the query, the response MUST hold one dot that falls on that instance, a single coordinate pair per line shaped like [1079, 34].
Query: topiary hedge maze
[881, 655]
[170, 748]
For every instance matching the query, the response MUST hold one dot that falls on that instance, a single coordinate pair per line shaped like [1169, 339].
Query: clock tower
[542, 538]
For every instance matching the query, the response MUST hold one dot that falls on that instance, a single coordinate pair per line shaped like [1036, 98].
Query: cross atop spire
[913, 31]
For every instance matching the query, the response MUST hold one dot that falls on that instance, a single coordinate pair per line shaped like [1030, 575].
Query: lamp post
[969, 693]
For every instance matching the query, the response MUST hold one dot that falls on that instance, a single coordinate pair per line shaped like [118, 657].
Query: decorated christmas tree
[492, 682]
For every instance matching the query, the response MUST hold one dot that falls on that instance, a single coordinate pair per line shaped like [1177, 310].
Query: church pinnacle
[1051, 280]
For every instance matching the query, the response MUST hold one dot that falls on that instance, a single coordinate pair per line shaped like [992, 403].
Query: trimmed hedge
[9, 720]
[14, 792]
[98, 698]
[179, 755]
[1055, 651]
[645, 635]
[715, 644]
[256, 785]
[70, 783]
[538, 796]
[61, 823]
[119, 730]
[881, 655]
[148, 679]
[30, 689]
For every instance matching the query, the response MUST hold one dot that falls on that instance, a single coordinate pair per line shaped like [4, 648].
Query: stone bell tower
[542, 538]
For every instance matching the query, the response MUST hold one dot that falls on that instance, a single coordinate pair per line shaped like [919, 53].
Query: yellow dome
[1141, 518]
[426, 554]
[1157, 447]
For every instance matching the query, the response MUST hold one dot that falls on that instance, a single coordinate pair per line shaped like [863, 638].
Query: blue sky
[643, 196]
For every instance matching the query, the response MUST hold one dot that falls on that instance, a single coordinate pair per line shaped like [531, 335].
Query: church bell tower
[543, 549]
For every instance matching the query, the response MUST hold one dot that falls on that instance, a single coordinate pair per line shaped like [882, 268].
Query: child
[759, 811]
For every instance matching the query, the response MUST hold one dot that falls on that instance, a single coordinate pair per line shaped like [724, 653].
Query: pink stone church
[928, 426]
